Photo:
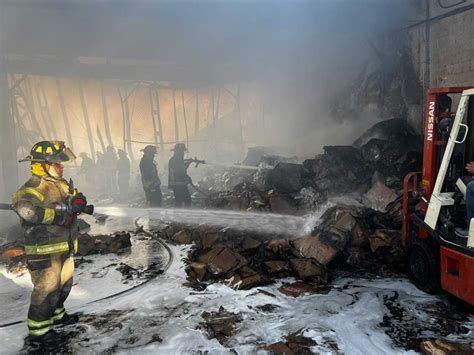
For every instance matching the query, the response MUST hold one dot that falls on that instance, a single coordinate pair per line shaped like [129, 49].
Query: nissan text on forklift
[439, 256]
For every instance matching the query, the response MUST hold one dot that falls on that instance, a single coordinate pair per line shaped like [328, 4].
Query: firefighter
[150, 180]
[87, 168]
[123, 172]
[101, 178]
[48, 208]
[178, 178]
[110, 169]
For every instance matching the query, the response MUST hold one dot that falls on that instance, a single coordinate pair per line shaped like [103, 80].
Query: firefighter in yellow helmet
[48, 207]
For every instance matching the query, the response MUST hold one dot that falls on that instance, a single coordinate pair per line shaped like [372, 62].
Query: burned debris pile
[296, 343]
[371, 171]
[13, 256]
[347, 238]
[220, 324]
[442, 346]
[257, 157]
[361, 237]
[103, 244]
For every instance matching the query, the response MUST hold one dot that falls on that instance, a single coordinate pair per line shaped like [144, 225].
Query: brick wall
[451, 45]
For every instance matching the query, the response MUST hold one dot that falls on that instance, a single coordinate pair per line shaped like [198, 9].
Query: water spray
[268, 223]
[239, 166]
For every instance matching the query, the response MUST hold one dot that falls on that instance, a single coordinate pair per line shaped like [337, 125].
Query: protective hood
[38, 169]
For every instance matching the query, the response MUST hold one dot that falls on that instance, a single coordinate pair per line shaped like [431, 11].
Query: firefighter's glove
[78, 203]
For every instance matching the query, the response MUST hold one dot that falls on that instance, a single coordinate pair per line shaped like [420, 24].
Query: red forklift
[434, 200]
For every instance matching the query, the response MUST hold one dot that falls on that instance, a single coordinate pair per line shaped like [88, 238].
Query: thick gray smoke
[290, 58]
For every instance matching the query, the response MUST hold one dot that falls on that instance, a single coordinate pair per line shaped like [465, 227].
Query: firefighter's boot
[52, 341]
[67, 319]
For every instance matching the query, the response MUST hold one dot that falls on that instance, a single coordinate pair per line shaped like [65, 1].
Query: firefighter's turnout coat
[49, 246]
[35, 203]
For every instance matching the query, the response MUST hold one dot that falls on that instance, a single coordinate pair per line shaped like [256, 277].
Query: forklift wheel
[424, 267]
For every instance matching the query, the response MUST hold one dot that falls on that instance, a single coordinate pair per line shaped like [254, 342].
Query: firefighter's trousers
[182, 197]
[52, 282]
[154, 197]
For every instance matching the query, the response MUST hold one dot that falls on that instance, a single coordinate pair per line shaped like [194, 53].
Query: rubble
[296, 343]
[347, 237]
[309, 270]
[103, 244]
[267, 308]
[373, 237]
[339, 170]
[254, 279]
[263, 155]
[393, 130]
[209, 239]
[221, 260]
[372, 168]
[299, 343]
[380, 195]
[280, 203]
[220, 324]
[17, 265]
[130, 273]
[10, 252]
[279, 348]
[198, 271]
[298, 288]
[242, 261]
[444, 347]
[278, 246]
[277, 267]
[250, 244]
[319, 247]
[285, 177]
[181, 237]
[385, 239]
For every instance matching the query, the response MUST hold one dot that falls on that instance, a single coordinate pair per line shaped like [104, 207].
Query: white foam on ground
[92, 281]
[349, 316]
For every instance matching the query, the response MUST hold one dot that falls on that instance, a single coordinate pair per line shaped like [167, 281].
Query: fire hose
[65, 207]
[120, 293]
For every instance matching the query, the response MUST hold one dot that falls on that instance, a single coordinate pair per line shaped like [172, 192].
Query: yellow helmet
[50, 152]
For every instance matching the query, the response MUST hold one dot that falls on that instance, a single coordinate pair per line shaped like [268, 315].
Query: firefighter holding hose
[178, 178]
[48, 207]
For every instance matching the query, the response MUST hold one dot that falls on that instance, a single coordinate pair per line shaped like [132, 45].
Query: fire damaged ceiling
[181, 41]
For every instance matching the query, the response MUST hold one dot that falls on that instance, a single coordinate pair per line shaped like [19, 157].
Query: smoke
[285, 61]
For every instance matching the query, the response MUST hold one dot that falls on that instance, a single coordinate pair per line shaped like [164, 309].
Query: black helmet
[50, 152]
[149, 149]
[179, 147]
